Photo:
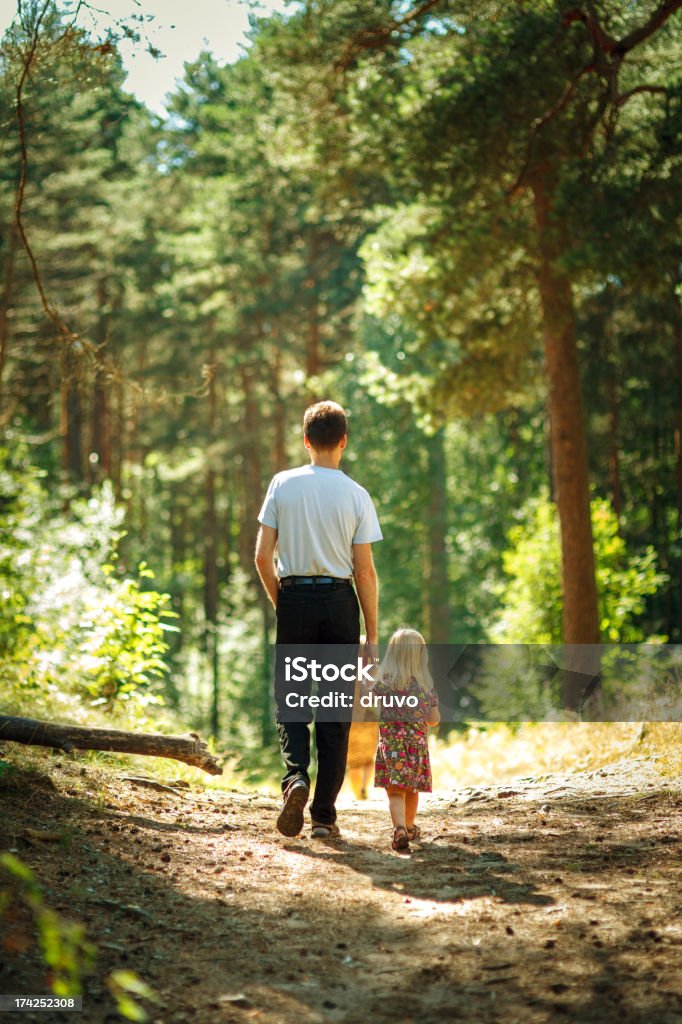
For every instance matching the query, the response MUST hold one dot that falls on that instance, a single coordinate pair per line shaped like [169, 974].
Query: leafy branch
[607, 58]
[378, 37]
[609, 52]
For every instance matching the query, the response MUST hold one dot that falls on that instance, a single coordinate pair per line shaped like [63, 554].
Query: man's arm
[265, 554]
[367, 586]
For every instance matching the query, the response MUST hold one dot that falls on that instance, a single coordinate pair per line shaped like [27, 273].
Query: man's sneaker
[325, 831]
[290, 821]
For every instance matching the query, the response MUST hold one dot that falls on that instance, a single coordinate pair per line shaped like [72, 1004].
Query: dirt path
[557, 899]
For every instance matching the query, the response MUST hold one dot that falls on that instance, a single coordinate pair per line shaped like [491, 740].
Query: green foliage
[124, 642]
[531, 597]
[64, 946]
[127, 987]
[473, 348]
[70, 624]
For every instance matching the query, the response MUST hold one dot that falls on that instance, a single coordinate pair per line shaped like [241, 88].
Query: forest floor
[555, 898]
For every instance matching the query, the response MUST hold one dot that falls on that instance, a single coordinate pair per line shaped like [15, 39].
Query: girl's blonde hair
[406, 658]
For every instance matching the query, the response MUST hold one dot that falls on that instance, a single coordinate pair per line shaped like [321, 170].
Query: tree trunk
[678, 460]
[189, 749]
[660, 601]
[252, 477]
[137, 408]
[312, 362]
[4, 304]
[252, 499]
[100, 440]
[511, 422]
[119, 440]
[266, 727]
[613, 399]
[211, 554]
[312, 353]
[549, 457]
[72, 417]
[227, 533]
[569, 446]
[437, 581]
[178, 555]
[100, 443]
[614, 451]
[279, 413]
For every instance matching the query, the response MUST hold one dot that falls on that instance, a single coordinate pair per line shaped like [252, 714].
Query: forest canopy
[461, 221]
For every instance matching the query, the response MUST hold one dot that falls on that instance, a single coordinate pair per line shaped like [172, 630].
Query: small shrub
[532, 597]
[70, 627]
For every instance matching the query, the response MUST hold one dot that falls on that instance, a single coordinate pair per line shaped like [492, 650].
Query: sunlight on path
[549, 897]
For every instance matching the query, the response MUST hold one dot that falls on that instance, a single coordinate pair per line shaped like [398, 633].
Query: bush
[532, 598]
[69, 627]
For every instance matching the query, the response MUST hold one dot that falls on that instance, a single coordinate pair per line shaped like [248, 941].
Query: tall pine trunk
[211, 555]
[437, 582]
[267, 732]
[252, 472]
[569, 445]
[118, 435]
[8, 276]
[613, 399]
[313, 360]
[279, 413]
[253, 496]
[678, 458]
[100, 439]
[71, 422]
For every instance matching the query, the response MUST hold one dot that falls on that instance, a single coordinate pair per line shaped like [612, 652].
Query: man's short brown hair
[325, 425]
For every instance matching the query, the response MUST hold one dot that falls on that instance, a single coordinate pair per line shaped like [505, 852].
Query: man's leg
[339, 625]
[293, 626]
[294, 742]
[331, 739]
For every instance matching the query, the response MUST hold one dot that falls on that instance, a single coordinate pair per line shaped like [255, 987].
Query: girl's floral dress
[402, 757]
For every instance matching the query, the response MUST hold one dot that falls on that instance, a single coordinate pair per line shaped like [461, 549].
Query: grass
[501, 753]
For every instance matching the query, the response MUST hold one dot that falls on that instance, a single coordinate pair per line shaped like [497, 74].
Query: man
[323, 526]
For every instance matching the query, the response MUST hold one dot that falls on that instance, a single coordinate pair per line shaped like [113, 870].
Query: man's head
[325, 427]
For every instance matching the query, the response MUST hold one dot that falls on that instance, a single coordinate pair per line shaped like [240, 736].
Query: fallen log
[190, 749]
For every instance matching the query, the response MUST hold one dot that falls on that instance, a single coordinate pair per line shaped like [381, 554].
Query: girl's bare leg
[411, 804]
[396, 803]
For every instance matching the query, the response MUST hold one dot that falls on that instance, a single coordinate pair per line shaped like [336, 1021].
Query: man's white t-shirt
[319, 514]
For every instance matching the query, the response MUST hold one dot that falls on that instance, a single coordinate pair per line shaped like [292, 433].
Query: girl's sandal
[414, 832]
[401, 839]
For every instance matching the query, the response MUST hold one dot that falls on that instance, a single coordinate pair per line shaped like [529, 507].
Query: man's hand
[370, 653]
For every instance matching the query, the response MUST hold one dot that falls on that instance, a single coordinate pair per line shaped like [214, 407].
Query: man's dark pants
[317, 614]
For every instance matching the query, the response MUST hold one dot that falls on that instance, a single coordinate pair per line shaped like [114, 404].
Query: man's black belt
[295, 581]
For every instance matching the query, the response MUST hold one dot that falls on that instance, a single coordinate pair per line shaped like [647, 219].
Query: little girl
[402, 765]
